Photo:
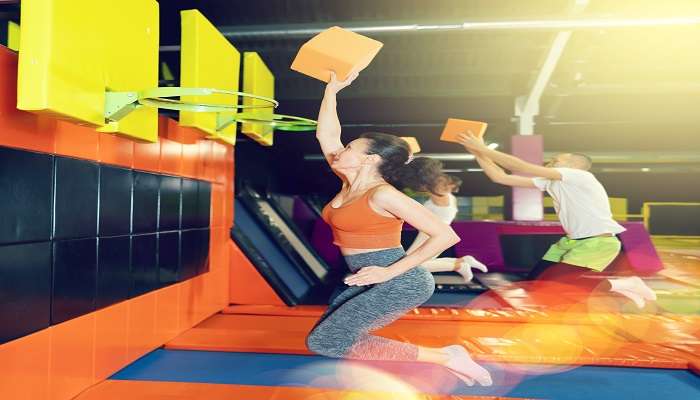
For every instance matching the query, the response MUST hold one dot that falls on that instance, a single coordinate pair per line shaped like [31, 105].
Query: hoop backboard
[73, 51]
[258, 80]
[208, 60]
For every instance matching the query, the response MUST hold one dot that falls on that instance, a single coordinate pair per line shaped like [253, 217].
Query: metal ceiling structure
[593, 75]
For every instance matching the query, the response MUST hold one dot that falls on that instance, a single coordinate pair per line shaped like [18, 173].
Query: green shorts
[595, 253]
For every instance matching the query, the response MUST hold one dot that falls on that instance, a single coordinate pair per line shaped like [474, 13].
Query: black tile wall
[169, 204]
[74, 278]
[203, 204]
[194, 252]
[75, 198]
[76, 236]
[168, 257]
[190, 206]
[145, 214]
[115, 201]
[113, 270]
[144, 263]
[26, 181]
[25, 289]
[202, 251]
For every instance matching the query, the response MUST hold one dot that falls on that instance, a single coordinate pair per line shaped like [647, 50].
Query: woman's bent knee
[321, 344]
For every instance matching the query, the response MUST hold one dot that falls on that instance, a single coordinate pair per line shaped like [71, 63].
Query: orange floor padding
[493, 315]
[592, 332]
[502, 341]
[147, 390]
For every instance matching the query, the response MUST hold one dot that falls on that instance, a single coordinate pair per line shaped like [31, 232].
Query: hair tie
[410, 158]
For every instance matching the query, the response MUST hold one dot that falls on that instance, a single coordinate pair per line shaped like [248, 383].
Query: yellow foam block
[335, 49]
[258, 80]
[412, 144]
[72, 51]
[480, 201]
[454, 127]
[207, 60]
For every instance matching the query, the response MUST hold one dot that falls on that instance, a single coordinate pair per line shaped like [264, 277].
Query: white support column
[527, 107]
[527, 204]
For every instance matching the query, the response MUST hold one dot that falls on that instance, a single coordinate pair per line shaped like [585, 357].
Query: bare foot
[637, 299]
[465, 265]
[634, 288]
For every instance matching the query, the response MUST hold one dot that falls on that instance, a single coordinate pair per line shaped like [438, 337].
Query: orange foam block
[454, 127]
[412, 144]
[335, 49]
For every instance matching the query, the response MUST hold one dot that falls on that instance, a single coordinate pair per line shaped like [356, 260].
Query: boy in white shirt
[583, 208]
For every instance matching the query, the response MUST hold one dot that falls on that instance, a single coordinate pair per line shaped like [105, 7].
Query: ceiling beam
[305, 30]
[628, 157]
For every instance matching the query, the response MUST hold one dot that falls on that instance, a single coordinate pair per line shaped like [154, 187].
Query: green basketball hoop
[120, 104]
[288, 123]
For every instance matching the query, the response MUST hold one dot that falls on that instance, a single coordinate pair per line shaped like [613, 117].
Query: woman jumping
[366, 218]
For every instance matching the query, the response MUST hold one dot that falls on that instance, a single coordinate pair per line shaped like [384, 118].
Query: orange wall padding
[60, 362]
[247, 285]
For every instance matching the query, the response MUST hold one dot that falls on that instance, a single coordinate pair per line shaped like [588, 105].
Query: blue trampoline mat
[585, 383]
[451, 299]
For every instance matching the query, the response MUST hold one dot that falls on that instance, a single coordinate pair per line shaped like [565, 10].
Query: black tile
[168, 257]
[194, 253]
[25, 289]
[190, 206]
[115, 201]
[144, 264]
[202, 251]
[169, 204]
[145, 214]
[203, 204]
[189, 255]
[26, 181]
[74, 278]
[75, 208]
[113, 270]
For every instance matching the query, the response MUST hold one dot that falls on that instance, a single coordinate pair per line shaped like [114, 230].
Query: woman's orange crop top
[358, 226]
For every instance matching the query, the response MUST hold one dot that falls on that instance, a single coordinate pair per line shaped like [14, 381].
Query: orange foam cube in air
[335, 49]
[412, 144]
[454, 127]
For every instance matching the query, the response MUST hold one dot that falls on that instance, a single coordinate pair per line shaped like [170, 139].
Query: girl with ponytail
[366, 218]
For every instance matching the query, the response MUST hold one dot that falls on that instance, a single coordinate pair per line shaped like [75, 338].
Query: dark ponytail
[420, 174]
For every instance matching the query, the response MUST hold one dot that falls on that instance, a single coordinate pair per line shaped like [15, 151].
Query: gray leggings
[343, 330]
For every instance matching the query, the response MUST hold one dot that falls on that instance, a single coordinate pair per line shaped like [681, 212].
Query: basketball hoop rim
[158, 97]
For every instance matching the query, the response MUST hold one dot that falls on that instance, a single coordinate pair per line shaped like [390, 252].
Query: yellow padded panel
[495, 201]
[207, 60]
[480, 201]
[74, 50]
[13, 36]
[549, 202]
[618, 206]
[258, 80]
